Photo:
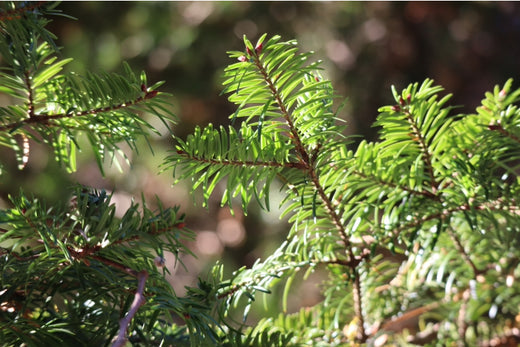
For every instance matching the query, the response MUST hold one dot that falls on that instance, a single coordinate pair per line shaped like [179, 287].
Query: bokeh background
[365, 47]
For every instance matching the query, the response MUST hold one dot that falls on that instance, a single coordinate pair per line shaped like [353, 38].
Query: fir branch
[17, 12]
[427, 156]
[110, 263]
[351, 263]
[44, 118]
[445, 213]
[242, 163]
[462, 251]
[5, 251]
[303, 155]
[358, 306]
[392, 185]
[500, 129]
[295, 137]
[256, 278]
[307, 166]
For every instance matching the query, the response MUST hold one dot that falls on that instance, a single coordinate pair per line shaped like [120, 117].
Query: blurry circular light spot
[196, 12]
[159, 58]
[374, 30]
[208, 243]
[134, 45]
[340, 53]
[493, 311]
[231, 232]
[459, 30]
[245, 27]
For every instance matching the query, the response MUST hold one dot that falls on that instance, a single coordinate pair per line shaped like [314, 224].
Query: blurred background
[365, 47]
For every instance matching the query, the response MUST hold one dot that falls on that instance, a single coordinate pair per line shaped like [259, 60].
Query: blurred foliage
[365, 46]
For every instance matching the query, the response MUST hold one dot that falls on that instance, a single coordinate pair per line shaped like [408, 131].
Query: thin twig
[139, 300]
[465, 255]
[418, 137]
[504, 132]
[114, 264]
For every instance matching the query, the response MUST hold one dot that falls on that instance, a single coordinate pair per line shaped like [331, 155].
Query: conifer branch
[254, 280]
[307, 166]
[463, 252]
[295, 137]
[114, 264]
[16, 13]
[418, 137]
[392, 185]
[45, 118]
[500, 129]
[303, 155]
[493, 206]
[242, 163]
[349, 209]
[4, 251]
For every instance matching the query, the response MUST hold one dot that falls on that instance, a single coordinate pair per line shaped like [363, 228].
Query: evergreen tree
[418, 231]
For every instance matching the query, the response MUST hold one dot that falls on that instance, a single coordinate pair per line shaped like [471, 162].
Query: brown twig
[461, 250]
[418, 137]
[114, 264]
[504, 132]
[139, 300]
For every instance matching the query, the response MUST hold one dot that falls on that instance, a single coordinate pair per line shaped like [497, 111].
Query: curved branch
[139, 300]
